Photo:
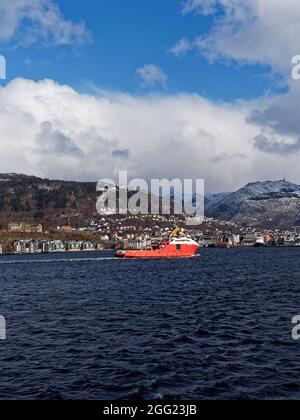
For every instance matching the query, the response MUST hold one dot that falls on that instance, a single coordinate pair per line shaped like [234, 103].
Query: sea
[89, 326]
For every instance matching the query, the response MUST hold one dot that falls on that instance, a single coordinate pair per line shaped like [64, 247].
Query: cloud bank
[51, 130]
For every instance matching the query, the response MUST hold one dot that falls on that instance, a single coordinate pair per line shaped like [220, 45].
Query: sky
[172, 88]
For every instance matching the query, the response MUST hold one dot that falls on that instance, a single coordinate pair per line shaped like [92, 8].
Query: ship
[260, 241]
[179, 245]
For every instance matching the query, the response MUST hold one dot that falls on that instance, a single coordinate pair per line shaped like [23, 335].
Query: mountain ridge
[269, 204]
[264, 204]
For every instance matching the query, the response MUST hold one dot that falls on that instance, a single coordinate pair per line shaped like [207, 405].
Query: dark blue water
[84, 327]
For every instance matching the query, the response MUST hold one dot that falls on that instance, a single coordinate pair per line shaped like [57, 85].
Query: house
[66, 228]
[25, 228]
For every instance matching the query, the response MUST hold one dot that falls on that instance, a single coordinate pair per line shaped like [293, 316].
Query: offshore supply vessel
[179, 245]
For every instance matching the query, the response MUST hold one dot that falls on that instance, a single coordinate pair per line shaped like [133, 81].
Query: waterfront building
[209, 240]
[73, 246]
[249, 239]
[57, 246]
[88, 246]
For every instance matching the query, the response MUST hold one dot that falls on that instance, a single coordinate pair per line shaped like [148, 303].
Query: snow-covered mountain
[270, 204]
[213, 199]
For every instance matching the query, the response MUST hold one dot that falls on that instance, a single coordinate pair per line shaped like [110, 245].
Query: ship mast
[175, 232]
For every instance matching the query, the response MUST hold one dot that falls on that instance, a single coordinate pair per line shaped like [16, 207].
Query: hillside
[32, 199]
[52, 202]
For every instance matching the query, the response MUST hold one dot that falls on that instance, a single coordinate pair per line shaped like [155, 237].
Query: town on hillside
[135, 231]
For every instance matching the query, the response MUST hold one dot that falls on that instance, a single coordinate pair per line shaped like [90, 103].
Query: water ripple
[215, 327]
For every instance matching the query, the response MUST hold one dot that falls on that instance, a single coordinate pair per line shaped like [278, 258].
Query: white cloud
[279, 122]
[181, 48]
[250, 31]
[25, 22]
[203, 6]
[52, 130]
[152, 75]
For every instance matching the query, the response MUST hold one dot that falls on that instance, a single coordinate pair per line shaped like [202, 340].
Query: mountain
[270, 204]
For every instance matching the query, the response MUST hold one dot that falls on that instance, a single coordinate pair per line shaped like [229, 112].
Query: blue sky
[125, 36]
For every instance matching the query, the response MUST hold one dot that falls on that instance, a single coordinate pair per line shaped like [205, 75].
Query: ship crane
[175, 232]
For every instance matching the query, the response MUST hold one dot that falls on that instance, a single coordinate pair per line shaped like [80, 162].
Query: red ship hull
[169, 251]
